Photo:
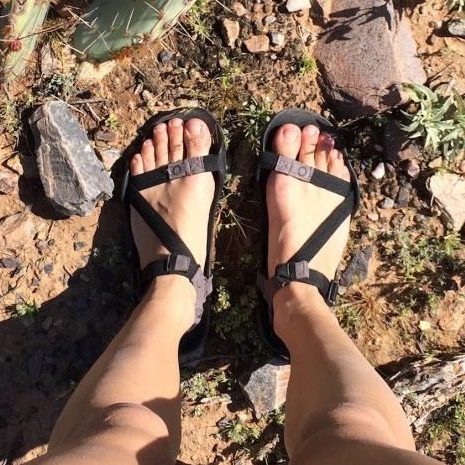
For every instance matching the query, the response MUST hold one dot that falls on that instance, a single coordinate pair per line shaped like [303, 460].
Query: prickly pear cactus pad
[110, 26]
[20, 26]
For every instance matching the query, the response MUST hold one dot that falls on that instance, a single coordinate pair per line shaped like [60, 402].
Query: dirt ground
[70, 289]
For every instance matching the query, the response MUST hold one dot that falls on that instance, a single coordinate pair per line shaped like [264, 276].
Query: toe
[197, 138]
[137, 165]
[175, 136]
[148, 155]
[160, 141]
[323, 149]
[310, 136]
[337, 166]
[287, 140]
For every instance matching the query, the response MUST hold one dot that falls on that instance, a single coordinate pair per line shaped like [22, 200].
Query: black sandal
[180, 259]
[297, 269]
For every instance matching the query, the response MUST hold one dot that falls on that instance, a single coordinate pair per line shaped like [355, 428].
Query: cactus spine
[111, 26]
[20, 28]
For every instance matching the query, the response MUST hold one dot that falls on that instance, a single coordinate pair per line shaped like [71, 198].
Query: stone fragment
[269, 20]
[74, 179]
[257, 44]
[90, 72]
[18, 230]
[297, 5]
[412, 168]
[451, 312]
[357, 270]
[106, 135]
[379, 172]
[8, 181]
[436, 163]
[278, 39]
[165, 56]
[448, 191]
[456, 28]
[266, 386]
[10, 262]
[231, 31]
[403, 197]
[387, 203]
[373, 216]
[239, 9]
[109, 157]
[366, 54]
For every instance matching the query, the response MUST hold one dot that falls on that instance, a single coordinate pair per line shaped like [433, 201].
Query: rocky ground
[65, 281]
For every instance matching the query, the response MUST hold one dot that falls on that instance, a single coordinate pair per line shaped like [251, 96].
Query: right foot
[297, 208]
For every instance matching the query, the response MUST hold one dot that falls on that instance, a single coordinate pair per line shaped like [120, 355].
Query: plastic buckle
[169, 262]
[332, 293]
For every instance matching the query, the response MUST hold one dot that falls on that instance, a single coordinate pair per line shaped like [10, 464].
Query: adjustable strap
[183, 266]
[298, 272]
[285, 165]
[179, 169]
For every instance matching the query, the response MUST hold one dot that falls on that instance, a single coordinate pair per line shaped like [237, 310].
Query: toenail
[148, 142]
[159, 127]
[176, 122]
[311, 130]
[290, 133]
[195, 128]
[328, 141]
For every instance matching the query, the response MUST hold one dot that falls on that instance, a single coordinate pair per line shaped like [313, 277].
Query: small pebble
[10, 263]
[277, 39]
[436, 163]
[387, 203]
[297, 5]
[373, 216]
[403, 197]
[165, 56]
[41, 245]
[78, 245]
[48, 268]
[379, 171]
[413, 168]
[379, 148]
[269, 20]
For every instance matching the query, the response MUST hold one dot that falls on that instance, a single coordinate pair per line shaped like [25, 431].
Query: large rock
[448, 191]
[266, 387]
[74, 179]
[357, 271]
[366, 53]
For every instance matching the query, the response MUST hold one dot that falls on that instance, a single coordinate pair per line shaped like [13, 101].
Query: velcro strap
[297, 272]
[186, 167]
[285, 165]
[183, 266]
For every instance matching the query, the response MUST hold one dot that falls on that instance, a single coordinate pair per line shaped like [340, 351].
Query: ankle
[293, 304]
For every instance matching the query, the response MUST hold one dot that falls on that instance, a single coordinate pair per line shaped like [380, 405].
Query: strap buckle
[332, 293]
[176, 263]
[283, 274]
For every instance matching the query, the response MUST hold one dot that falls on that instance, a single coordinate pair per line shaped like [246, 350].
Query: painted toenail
[311, 130]
[290, 133]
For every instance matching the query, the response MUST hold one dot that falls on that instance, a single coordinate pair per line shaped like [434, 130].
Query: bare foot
[183, 203]
[297, 208]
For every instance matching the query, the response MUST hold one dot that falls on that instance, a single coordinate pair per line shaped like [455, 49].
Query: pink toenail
[148, 142]
[159, 127]
[290, 133]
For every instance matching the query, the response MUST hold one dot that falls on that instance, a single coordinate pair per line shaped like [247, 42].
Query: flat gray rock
[366, 53]
[357, 271]
[266, 387]
[74, 179]
[448, 191]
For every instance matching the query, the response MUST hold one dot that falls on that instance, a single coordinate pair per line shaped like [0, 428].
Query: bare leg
[338, 411]
[127, 408]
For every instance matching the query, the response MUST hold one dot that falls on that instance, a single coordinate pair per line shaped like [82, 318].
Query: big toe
[287, 141]
[197, 138]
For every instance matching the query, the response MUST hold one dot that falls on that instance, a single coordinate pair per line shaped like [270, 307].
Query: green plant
[62, 86]
[20, 23]
[307, 65]
[349, 318]
[440, 120]
[112, 122]
[111, 26]
[25, 309]
[203, 385]
[240, 432]
[10, 120]
[256, 116]
[198, 18]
